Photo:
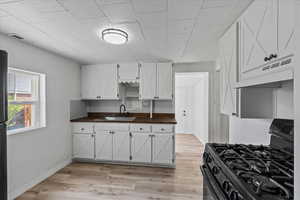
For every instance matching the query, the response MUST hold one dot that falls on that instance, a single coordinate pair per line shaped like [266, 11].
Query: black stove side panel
[282, 131]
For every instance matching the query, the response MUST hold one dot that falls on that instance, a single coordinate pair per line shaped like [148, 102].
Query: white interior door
[183, 110]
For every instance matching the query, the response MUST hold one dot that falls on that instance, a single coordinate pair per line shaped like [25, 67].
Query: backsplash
[134, 106]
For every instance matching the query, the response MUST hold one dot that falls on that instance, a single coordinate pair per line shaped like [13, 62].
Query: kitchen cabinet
[266, 43]
[164, 81]
[148, 81]
[104, 145]
[121, 146]
[144, 144]
[286, 28]
[258, 33]
[83, 146]
[128, 72]
[99, 82]
[228, 71]
[162, 152]
[141, 147]
[156, 81]
[112, 145]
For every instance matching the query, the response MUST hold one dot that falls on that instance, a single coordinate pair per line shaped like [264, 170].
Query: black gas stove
[252, 172]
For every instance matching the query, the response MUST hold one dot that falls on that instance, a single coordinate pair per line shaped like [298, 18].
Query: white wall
[200, 120]
[34, 155]
[249, 131]
[159, 106]
[213, 132]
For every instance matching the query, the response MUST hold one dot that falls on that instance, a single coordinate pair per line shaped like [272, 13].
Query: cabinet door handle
[82, 129]
[141, 129]
[162, 129]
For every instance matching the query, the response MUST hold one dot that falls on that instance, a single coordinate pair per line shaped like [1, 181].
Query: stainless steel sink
[120, 118]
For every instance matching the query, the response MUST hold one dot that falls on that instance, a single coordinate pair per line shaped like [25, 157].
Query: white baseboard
[17, 192]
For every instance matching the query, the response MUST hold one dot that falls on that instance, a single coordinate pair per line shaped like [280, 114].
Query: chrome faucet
[122, 110]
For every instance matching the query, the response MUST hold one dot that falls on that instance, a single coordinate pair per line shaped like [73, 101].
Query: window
[26, 100]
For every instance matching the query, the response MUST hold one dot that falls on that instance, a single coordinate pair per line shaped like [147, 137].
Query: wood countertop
[157, 118]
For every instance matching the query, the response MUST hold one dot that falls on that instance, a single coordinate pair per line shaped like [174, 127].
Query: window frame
[39, 102]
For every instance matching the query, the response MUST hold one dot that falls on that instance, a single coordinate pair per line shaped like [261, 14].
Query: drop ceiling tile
[147, 6]
[187, 9]
[106, 2]
[153, 20]
[86, 9]
[3, 13]
[119, 13]
[218, 3]
[180, 27]
[44, 6]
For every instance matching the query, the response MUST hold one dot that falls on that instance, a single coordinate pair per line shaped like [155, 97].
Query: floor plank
[84, 181]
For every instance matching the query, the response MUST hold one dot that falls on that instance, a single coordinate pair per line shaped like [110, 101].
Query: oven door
[211, 189]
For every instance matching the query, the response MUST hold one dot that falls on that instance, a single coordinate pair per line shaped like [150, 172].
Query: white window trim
[42, 100]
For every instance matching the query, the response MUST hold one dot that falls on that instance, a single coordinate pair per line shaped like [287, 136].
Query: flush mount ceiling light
[114, 36]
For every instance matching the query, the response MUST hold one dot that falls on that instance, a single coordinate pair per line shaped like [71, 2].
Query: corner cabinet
[156, 81]
[228, 71]
[99, 82]
[138, 144]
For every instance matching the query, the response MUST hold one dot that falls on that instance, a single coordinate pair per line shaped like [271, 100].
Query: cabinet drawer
[111, 127]
[140, 128]
[82, 127]
[162, 128]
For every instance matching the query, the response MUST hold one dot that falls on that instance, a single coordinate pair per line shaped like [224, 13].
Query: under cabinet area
[138, 144]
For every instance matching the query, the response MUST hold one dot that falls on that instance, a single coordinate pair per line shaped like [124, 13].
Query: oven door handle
[209, 180]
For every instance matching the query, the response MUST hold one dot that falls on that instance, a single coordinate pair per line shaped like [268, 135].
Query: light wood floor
[80, 181]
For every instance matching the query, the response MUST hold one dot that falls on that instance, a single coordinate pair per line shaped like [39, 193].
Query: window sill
[23, 130]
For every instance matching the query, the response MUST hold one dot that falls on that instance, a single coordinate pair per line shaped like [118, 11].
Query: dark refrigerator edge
[3, 128]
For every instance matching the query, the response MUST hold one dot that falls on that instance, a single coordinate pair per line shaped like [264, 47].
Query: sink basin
[120, 118]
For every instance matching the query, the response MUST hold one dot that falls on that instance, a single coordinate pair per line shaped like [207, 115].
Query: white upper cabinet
[99, 82]
[164, 81]
[148, 81]
[266, 42]
[228, 71]
[156, 81]
[258, 34]
[286, 27]
[128, 72]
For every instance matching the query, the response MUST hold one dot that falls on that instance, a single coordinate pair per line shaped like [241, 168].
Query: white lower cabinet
[141, 147]
[103, 145]
[83, 146]
[140, 144]
[162, 148]
[121, 146]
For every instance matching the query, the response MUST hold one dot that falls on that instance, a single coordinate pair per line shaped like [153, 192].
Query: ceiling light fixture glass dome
[115, 36]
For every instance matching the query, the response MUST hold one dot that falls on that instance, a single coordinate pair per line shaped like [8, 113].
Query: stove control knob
[226, 186]
[215, 170]
[234, 195]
